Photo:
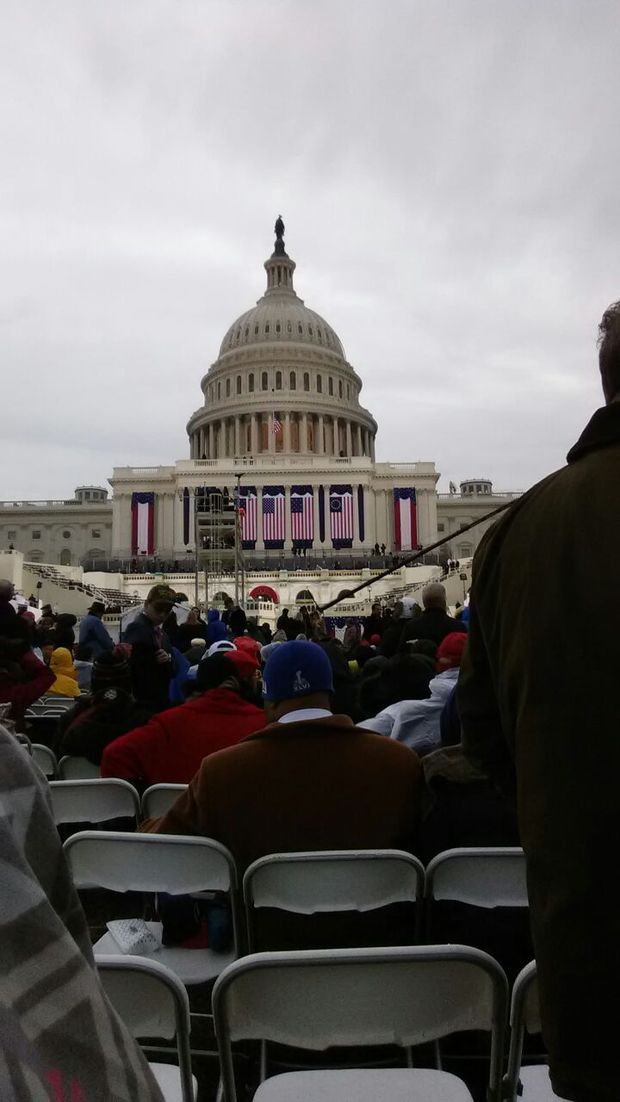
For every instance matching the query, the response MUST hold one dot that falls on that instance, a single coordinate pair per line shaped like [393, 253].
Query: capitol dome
[281, 372]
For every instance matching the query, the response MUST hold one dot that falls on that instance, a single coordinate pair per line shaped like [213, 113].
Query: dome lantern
[280, 267]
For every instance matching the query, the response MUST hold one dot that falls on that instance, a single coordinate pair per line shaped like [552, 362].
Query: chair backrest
[491, 876]
[328, 881]
[316, 999]
[93, 801]
[524, 1017]
[152, 1002]
[122, 861]
[159, 798]
[44, 758]
[73, 768]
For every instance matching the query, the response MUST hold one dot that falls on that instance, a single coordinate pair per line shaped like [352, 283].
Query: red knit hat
[247, 644]
[450, 650]
[244, 662]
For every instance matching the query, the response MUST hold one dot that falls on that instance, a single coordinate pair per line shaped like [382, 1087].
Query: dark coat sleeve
[484, 743]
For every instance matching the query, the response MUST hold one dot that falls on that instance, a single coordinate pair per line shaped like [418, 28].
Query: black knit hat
[111, 670]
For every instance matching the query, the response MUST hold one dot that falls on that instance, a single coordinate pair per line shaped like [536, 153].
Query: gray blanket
[60, 1039]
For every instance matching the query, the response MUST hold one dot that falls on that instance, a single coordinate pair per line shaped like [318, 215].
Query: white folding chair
[120, 861]
[485, 876]
[159, 798]
[329, 881]
[93, 801]
[73, 768]
[45, 759]
[153, 1003]
[341, 997]
[531, 1083]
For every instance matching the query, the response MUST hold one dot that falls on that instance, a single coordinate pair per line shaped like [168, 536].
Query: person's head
[297, 675]
[159, 603]
[376, 608]
[111, 670]
[15, 639]
[234, 669]
[403, 677]
[421, 646]
[434, 596]
[284, 612]
[609, 352]
[61, 660]
[7, 589]
[279, 636]
[237, 621]
[450, 651]
[97, 609]
[220, 647]
[212, 615]
[192, 617]
[216, 631]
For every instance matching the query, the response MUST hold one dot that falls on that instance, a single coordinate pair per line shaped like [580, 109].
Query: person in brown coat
[310, 780]
[540, 707]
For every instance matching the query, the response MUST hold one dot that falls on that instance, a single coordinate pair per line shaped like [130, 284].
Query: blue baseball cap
[297, 669]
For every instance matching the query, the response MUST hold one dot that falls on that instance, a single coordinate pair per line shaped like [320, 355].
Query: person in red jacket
[23, 678]
[171, 746]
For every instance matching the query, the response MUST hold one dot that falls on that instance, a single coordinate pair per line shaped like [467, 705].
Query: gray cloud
[448, 174]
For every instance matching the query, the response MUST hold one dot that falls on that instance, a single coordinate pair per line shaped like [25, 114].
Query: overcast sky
[449, 175]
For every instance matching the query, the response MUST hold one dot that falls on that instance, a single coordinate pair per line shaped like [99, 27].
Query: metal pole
[414, 558]
[196, 549]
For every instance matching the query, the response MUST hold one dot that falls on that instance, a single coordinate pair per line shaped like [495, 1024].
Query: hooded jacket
[66, 678]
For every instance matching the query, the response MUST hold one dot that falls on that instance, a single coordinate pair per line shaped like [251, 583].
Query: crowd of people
[181, 687]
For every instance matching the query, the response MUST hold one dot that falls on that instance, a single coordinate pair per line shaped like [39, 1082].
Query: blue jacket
[95, 636]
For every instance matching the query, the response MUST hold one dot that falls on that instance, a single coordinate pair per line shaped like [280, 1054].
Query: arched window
[319, 384]
[331, 385]
[238, 384]
[278, 380]
[219, 390]
[256, 330]
[65, 557]
[228, 388]
[305, 595]
[292, 382]
[300, 329]
[278, 327]
[267, 327]
[340, 388]
[251, 382]
[264, 381]
[348, 391]
[306, 381]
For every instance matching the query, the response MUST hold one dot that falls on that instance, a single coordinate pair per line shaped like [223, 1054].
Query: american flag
[273, 513]
[302, 514]
[341, 513]
[277, 425]
[247, 514]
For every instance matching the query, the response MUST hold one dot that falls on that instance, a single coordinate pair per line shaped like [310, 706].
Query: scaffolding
[218, 539]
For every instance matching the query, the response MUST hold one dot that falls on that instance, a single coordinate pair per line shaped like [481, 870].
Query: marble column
[287, 432]
[303, 434]
[271, 436]
[349, 439]
[321, 439]
[254, 435]
[238, 448]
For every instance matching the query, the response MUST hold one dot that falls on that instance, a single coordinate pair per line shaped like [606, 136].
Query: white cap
[221, 645]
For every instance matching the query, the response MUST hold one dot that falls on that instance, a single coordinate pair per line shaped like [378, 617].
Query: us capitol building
[281, 424]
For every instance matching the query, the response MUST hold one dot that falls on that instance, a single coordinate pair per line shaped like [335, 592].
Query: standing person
[540, 710]
[375, 623]
[435, 622]
[94, 637]
[151, 653]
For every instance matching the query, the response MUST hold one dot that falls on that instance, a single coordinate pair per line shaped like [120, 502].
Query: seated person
[23, 678]
[308, 780]
[391, 680]
[65, 674]
[171, 746]
[108, 712]
[417, 722]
